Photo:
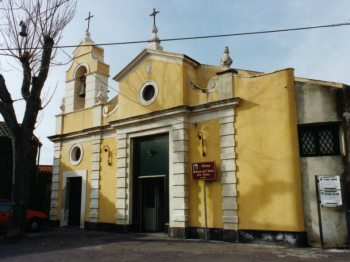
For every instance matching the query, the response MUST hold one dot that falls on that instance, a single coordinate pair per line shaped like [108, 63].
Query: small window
[319, 140]
[148, 93]
[76, 154]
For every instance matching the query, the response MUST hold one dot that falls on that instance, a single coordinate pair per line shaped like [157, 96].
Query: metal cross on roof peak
[154, 16]
[88, 19]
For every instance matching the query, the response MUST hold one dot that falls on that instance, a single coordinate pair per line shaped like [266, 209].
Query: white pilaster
[69, 97]
[55, 182]
[179, 184]
[228, 171]
[95, 83]
[122, 208]
[95, 178]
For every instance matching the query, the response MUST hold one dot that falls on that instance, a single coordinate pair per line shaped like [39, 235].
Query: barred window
[319, 140]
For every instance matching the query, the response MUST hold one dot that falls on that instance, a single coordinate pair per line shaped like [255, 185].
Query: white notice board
[331, 198]
[329, 182]
[329, 190]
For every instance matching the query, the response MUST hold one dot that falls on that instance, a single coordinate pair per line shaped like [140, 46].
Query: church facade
[128, 164]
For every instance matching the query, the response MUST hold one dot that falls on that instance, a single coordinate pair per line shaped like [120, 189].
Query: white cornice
[157, 55]
[170, 113]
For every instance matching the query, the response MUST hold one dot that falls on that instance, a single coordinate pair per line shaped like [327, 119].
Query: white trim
[107, 113]
[86, 137]
[73, 147]
[95, 178]
[228, 170]
[86, 65]
[154, 55]
[143, 87]
[64, 209]
[178, 206]
[97, 115]
[55, 182]
[125, 172]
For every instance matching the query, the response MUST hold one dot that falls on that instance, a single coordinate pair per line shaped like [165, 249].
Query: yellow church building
[128, 164]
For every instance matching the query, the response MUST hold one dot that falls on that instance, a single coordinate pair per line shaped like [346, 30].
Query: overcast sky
[319, 54]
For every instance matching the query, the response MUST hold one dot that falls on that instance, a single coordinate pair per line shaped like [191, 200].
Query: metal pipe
[205, 209]
[319, 212]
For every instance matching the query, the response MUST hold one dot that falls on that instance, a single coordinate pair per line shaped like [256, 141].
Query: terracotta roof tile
[46, 169]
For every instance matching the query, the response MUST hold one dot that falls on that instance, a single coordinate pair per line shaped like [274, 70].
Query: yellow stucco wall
[85, 164]
[200, 77]
[169, 78]
[77, 120]
[107, 181]
[211, 133]
[83, 56]
[268, 168]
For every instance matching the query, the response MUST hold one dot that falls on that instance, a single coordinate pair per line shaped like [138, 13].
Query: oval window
[76, 154]
[148, 92]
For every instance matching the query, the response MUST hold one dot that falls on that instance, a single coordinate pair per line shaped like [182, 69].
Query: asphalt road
[79, 245]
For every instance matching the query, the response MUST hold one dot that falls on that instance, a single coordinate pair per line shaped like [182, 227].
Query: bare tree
[29, 31]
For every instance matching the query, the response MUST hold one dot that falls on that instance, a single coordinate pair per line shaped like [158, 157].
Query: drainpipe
[346, 157]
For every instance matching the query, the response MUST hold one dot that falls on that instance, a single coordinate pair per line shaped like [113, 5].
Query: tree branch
[6, 106]
[34, 101]
[27, 75]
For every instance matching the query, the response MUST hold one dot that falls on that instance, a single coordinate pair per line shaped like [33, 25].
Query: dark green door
[151, 186]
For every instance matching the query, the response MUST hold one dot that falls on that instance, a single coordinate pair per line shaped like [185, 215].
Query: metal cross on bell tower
[88, 19]
[154, 16]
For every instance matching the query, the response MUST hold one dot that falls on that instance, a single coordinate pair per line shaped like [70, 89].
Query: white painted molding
[72, 151]
[142, 89]
[64, 209]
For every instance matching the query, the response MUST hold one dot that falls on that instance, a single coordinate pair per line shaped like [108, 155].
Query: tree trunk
[23, 161]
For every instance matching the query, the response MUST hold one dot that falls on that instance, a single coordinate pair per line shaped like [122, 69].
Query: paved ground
[79, 245]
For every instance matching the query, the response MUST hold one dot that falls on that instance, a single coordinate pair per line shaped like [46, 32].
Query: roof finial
[154, 43]
[154, 16]
[226, 60]
[87, 37]
[88, 19]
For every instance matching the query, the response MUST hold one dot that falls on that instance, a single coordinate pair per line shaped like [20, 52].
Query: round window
[76, 154]
[148, 92]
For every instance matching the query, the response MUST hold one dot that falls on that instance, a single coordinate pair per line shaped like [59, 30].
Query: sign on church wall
[204, 170]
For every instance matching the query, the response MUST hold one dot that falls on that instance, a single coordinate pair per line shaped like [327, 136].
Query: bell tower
[87, 77]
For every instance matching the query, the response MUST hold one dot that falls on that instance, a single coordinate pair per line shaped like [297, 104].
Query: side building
[125, 164]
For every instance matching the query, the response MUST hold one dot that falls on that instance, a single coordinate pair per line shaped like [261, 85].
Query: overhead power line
[201, 37]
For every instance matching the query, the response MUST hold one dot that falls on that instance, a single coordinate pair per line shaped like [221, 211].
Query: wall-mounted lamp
[109, 154]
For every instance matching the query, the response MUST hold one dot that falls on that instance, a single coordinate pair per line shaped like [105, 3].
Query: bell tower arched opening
[80, 88]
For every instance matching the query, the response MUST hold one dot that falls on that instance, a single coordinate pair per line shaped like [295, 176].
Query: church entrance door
[152, 204]
[151, 186]
[74, 200]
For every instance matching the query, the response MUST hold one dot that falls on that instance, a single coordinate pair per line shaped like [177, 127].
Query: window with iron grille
[319, 140]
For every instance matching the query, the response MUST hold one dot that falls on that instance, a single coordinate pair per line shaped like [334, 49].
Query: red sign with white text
[204, 170]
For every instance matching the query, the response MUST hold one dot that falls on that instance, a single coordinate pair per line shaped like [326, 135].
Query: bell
[82, 92]
[23, 32]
